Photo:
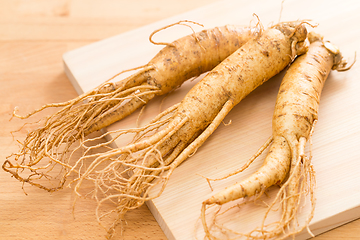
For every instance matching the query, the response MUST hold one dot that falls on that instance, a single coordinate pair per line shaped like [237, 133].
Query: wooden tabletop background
[34, 34]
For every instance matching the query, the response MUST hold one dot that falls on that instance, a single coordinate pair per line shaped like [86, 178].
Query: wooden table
[33, 37]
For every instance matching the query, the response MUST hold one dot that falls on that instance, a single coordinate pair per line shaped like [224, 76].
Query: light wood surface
[35, 34]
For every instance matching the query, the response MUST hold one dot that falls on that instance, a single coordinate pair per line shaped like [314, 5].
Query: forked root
[290, 199]
[291, 196]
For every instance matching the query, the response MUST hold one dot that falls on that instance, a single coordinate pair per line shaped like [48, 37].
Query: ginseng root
[296, 112]
[186, 58]
[151, 158]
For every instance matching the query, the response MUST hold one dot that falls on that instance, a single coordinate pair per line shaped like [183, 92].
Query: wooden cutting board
[336, 141]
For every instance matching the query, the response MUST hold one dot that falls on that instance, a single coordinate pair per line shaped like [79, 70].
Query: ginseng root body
[46, 148]
[295, 114]
[182, 129]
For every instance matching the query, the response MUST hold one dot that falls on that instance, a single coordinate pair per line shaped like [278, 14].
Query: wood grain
[33, 37]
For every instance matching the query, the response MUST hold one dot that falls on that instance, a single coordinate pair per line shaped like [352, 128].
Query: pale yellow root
[292, 197]
[300, 183]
